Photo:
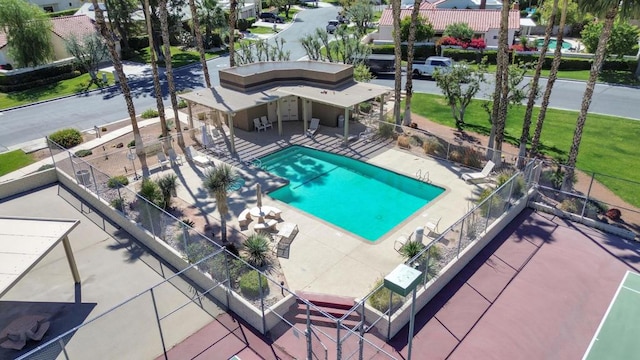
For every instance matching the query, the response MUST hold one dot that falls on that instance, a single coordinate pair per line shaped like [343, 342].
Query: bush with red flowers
[474, 43]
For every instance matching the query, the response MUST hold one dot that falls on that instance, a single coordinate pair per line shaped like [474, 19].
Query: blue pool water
[358, 197]
[552, 44]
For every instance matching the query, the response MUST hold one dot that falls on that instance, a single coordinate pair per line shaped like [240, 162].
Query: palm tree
[154, 69]
[109, 37]
[217, 181]
[610, 10]
[233, 8]
[533, 90]
[551, 80]
[164, 24]
[167, 184]
[395, 8]
[257, 249]
[199, 43]
[499, 115]
[408, 87]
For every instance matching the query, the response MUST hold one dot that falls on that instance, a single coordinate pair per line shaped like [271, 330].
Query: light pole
[403, 280]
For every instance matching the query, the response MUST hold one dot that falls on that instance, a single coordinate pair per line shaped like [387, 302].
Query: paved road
[99, 108]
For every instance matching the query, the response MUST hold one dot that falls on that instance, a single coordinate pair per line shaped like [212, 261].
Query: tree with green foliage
[413, 28]
[609, 10]
[623, 40]
[28, 31]
[262, 50]
[461, 31]
[574, 15]
[424, 29]
[88, 52]
[362, 73]
[459, 86]
[120, 12]
[217, 181]
[342, 48]
[213, 17]
[361, 14]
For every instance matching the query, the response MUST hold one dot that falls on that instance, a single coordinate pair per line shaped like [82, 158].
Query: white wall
[57, 5]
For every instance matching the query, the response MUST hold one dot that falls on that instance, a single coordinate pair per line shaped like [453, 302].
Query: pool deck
[321, 253]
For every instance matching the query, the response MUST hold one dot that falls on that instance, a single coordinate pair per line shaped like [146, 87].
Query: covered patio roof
[25, 241]
[228, 101]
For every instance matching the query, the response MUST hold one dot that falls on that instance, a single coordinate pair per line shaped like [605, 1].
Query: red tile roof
[478, 20]
[65, 27]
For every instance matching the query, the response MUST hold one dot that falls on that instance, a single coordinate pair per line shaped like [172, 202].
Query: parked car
[380, 64]
[271, 17]
[428, 68]
[332, 26]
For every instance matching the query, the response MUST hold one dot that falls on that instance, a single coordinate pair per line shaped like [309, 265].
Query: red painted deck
[538, 291]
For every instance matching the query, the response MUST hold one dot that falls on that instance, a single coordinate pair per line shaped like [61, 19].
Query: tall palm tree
[233, 8]
[551, 80]
[218, 181]
[499, 114]
[395, 9]
[533, 90]
[610, 10]
[408, 87]
[154, 69]
[199, 42]
[164, 24]
[110, 37]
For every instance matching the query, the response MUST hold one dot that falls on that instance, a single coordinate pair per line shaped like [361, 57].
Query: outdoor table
[258, 212]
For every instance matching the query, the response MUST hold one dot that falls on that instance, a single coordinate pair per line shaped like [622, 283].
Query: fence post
[73, 168]
[147, 205]
[339, 341]
[460, 237]
[121, 200]
[389, 310]
[226, 265]
[264, 323]
[309, 344]
[363, 330]
[155, 309]
[586, 200]
[93, 176]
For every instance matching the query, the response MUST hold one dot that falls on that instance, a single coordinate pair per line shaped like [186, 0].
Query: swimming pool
[552, 43]
[356, 196]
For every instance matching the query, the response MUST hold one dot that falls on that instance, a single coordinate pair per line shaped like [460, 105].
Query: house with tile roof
[64, 28]
[485, 23]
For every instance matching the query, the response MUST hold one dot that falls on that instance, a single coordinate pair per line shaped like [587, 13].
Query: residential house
[485, 23]
[64, 28]
[53, 5]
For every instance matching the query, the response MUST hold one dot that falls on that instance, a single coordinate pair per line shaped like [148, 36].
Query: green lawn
[14, 160]
[292, 12]
[51, 91]
[608, 143]
[261, 30]
[178, 57]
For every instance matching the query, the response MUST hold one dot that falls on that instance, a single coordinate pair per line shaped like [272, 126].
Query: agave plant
[257, 249]
[411, 249]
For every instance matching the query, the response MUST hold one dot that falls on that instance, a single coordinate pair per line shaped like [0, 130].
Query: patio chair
[265, 122]
[479, 175]
[273, 212]
[194, 156]
[162, 159]
[215, 135]
[175, 158]
[258, 125]
[268, 225]
[399, 243]
[432, 227]
[313, 127]
[367, 134]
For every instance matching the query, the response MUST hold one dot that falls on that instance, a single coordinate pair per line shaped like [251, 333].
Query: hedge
[420, 52]
[565, 63]
[139, 42]
[38, 82]
[60, 13]
[36, 74]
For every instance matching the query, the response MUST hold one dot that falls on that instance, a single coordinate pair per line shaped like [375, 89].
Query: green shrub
[149, 114]
[182, 104]
[257, 249]
[131, 143]
[433, 146]
[385, 130]
[118, 204]
[117, 181]
[45, 167]
[365, 107]
[151, 191]
[251, 284]
[491, 207]
[139, 42]
[242, 24]
[188, 222]
[199, 250]
[379, 300]
[66, 12]
[83, 153]
[67, 138]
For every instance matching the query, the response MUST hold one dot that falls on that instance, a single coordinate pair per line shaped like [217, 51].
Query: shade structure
[259, 194]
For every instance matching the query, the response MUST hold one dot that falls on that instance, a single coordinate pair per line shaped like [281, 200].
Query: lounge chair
[265, 122]
[479, 175]
[399, 243]
[215, 135]
[258, 125]
[174, 158]
[367, 134]
[273, 212]
[193, 155]
[162, 159]
[313, 127]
